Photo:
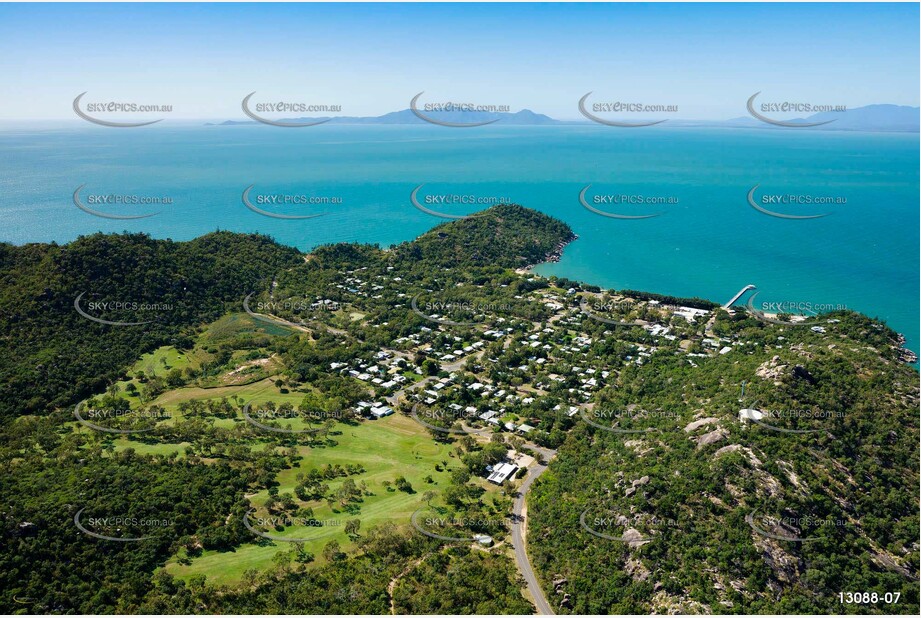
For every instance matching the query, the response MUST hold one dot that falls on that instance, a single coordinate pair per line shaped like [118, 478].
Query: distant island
[876, 118]
[406, 116]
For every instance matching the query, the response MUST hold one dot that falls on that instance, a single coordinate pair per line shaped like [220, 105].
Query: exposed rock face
[738, 447]
[638, 446]
[633, 538]
[664, 603]
[636, 570]
[792, 476]
[888, 561]
[732, 448]
[771, 370]
[634, 484]
[696, 424]
[710, 438]
[787, 568]
[558, 583]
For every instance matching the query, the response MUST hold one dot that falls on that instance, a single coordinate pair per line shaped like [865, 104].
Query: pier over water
[738, 295]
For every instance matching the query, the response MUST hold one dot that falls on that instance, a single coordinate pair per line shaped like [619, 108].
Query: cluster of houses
[722, 346]
[383, 372]
[431, 396]
[566, 315]
[551, 355]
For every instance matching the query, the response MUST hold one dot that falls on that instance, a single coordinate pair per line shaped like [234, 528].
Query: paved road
[521, 553]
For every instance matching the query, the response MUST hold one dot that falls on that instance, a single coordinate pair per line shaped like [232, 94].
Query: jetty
[738, 295]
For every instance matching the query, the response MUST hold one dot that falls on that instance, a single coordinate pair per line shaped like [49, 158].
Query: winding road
[518, 510]
[518, 528]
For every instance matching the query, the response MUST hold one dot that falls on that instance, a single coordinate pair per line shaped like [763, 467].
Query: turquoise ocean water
[708, 242]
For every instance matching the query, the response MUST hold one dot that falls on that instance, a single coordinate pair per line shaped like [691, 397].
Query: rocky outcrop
[732, 448]
[772, 370]
[711, 438]
[633, 538]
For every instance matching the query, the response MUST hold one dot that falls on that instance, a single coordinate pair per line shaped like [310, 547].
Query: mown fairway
[387, 448]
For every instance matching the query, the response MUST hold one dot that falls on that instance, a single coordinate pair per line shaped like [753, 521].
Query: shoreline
[907, 355]
[551, 257]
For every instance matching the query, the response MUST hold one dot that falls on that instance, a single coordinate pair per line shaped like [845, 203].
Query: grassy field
[387, 448]
[143, 448]
[235, 327]
[241, 324]
[256, 393]
[159, 362]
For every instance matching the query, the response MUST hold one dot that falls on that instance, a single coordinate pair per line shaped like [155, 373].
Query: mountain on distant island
[407, 116]
[879, 117]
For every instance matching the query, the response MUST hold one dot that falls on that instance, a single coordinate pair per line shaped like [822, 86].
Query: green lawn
[410, 375]
[152, 364]
[163, 359]
[232, 326]
[256, 393]
[387, 448]
[142, 448]
[240, 324]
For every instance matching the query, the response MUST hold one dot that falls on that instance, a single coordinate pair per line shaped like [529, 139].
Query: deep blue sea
[708, 241]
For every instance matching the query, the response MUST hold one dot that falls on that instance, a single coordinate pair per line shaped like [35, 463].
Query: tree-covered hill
[508, 236]
[52, 356]
[731, 516]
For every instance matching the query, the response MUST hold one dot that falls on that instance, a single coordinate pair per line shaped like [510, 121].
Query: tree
[352, 526]
[459, 476]
[403, 485]
[281, 560]
[174, 378]
[331, 551]
[430, 367]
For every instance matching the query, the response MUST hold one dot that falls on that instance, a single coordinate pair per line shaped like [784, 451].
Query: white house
[501, 473]
[381, 411]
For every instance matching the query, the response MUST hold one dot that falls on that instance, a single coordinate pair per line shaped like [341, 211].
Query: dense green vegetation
[851, 484]
[462, 581]
[186, 373]
[42, 545]
[464, 334]
[54, 356]
[508, 236]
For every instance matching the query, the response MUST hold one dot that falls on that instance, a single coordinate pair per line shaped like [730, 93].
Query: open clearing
[387, 448]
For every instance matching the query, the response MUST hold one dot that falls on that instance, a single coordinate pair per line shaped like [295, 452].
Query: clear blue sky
[372, 58]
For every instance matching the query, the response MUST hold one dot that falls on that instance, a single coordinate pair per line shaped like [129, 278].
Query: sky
[371, 59]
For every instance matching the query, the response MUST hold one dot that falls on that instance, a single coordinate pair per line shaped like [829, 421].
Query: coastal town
[356, 392]
[481, 368]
